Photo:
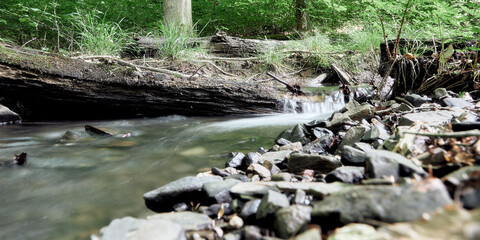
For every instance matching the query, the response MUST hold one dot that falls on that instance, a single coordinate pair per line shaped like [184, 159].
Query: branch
[230, 59]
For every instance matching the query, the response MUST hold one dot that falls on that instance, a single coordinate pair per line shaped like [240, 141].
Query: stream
[70, 189]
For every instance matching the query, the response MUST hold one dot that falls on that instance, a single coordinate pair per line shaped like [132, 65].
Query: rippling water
[69, 189]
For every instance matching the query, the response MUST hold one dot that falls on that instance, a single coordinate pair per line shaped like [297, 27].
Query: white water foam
[308, 105]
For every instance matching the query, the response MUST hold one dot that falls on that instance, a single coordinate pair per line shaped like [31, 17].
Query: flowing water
[70, 189]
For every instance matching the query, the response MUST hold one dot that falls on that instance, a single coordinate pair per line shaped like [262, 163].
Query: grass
[177, 43]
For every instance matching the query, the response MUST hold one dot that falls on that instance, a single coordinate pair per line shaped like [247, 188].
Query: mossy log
[41, 86]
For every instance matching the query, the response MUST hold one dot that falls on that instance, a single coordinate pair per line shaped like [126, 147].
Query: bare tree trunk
[178, 13]
[301, 15]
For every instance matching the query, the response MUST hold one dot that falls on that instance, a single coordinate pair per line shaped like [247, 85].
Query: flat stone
[236, 159]
[365, 111]
[219, 192]
[296, 146]
[346, 174]
[186, 189]
[382, 163]
[7, 116]
[118, 229]
[262, 171]
[251, 189]
[271, 202]
[351, 156]
[290, 220]
[153, 228]
[275, 157]
[352, 136]
[383, 203]
[376, 132]
[433, 118]
[319, 163]
[190, 221]
[271, 167]
[321, 190]
[281, 177]
[457, 102]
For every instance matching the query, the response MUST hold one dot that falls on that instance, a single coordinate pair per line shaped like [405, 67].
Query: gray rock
[384, 203]
[238, 176]
[382, 163]
[362, 146]
[213, 210]
[321, 190]
[236, 159]
[364, 111]
[250, 209]
[352, 136]
[348, 174]
[465, 183]
[251, 189]
[338, 119]
[272, 167]
[7, 116]
[186, 189]
[119, 229]
[456, 102]
[296, 146]
[435, 157]
[234, 235]
[290, 220]
[300, 197]
[358, 231]
[219, 192]
[322, 143]
[151, 229]
[440, 93]
[283, 176]
[252, 157]
[252, 233]
[94, 131]
[220, 172]
[70, 136]
[282, 142]
[311, 234]
[404, 108]
[351, 156]
[262, 171]
[433, 118]
[376, 132]
[417, 100]
[190, 221]
[295, 134]
[271, 202]
[275, 157]
[319, 163]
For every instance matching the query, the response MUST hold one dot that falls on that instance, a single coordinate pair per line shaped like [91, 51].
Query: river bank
[370, 170]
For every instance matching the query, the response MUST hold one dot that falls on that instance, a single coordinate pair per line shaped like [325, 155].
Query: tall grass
[176, 42]
[98, 36]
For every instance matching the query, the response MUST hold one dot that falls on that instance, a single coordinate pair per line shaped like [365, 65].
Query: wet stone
[382, 163]
[384, 203]
[271, 202]
[352, 175]
[186, 189]
[70, 136]
[236, 159]
[351, 156]
[7, 116]
[290, 220]
[219, 192]
[319, 163]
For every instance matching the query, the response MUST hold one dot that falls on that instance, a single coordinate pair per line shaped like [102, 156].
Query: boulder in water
[7, 116]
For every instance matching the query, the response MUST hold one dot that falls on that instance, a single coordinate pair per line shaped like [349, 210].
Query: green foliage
[176, 42]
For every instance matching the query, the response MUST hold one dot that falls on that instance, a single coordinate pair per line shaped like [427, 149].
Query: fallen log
[40, 86]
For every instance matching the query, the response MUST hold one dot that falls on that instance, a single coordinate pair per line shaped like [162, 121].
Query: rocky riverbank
[404, 169]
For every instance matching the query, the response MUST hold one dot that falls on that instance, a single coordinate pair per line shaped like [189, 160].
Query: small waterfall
[309, 105]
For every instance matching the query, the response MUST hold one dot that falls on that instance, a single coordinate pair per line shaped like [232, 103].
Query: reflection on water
[69, 189]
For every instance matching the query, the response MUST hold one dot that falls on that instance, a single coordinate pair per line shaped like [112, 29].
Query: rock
[186, 189]
[251, 189]
[376, 132]
[349, 174]
[290, 220]
[235, 222]
[271, 167]
[383, 203]
[435, 157]
[311, 234]
[465, 184]
[295, 134]
[180, 207]
[275, 157]
[252, 157]
[214, 209]
[234, 235]
[352, 136]
[219, 191]
[96, 131]
[262, 171]
[220, 172]
[362, 146]
[382, 163]
[190, 221]
[296, 146]
[364, 111]
[404, 108]
[319, 163]
[337, 120]
[238, 176]
[322, 133]
[300, 197]
[236, 159]
[417, 100]
[352, 157]
[456, 102]
[324, 139]
[270, 203]
[283, 176]
[252, 233]
[118, 229]
[358, 231]
[282, 142]
[7, 116]
[433, 118]
[250, 209]
[321, 190]
[151, 229]
[440, 93]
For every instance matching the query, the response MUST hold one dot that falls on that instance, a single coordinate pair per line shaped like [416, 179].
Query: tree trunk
[178, 13]
[301, 15]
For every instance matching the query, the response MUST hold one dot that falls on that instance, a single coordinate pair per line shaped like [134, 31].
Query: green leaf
[3, 21]
[446, 54]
